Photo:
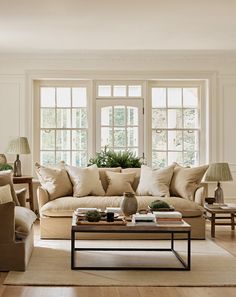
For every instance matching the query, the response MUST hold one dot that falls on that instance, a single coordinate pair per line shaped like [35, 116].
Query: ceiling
[49, 26]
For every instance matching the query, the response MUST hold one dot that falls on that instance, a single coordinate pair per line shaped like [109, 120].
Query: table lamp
[18, 146]
[218, 172]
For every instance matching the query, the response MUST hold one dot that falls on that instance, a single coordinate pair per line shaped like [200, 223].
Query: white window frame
[181, 83]
[37, 125]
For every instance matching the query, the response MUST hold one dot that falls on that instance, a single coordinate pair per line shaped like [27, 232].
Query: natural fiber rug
[50, 265]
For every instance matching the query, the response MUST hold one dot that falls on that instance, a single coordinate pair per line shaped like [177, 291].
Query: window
[176, 124]
[120, 117]
[63, 124]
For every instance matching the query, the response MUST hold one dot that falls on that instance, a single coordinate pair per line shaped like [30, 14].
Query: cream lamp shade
[18, 146]
[218, 172]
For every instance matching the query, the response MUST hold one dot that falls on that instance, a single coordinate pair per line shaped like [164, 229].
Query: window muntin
[175, 125]
[63, 125]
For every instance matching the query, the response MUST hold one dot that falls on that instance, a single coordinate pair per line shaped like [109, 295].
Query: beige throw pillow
[186, 180]
[119, 183]
[6, 179]
[137, 172]
[155, 182]
[5, 194]
[103, 175]
[85, 181]
[55, 180]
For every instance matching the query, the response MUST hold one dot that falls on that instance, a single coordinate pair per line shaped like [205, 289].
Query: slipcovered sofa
[56, 209]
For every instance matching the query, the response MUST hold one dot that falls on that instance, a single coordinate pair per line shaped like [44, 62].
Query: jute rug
[50, 265]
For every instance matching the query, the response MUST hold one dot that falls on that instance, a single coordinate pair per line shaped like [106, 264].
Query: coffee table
[171, 229]
[217, 213]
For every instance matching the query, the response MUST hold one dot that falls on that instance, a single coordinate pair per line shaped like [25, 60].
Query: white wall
[17, 72]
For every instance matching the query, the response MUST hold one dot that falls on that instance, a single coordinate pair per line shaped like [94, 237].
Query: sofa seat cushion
[65, 206]
[24, 219]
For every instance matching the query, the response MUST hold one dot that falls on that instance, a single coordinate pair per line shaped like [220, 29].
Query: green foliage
[157, 204]
[93, 216]
[109, 158]
[5, 167]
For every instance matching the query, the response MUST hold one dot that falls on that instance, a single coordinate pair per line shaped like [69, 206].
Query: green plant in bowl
[93, 216]
[5, 167]
[159, 205]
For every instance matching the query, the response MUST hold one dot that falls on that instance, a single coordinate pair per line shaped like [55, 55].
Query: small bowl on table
[210, 200]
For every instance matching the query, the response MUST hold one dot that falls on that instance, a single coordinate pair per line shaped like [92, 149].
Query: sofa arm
[201, 193]
[7, 226]
[42, 196]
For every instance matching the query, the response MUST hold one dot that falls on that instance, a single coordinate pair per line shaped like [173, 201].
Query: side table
[25, 179]
[217, 213]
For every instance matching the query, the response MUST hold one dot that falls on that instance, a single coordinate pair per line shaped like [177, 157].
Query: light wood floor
[224, 238]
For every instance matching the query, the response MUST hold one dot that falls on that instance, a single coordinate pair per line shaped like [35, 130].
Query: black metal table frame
[186, 265]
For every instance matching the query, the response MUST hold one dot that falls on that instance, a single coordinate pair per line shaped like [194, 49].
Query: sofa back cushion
[5, 194]
[6, 179]
[55, 180]
[137, 172]
[155, 182]
[119, 183]
[86, 181]
[186, 180]
[103, 175]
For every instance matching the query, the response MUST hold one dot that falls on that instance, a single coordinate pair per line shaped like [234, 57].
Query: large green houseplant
[109, 158]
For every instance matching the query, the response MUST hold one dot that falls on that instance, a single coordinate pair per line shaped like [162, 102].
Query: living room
[122, 52]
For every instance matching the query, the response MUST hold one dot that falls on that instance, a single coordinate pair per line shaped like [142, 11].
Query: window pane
[159, 159]
[119, 115]
[134, 91]
[47, 97]
[132, 136]
[79, 97]
[159, 140]
[79, 118]
[63, 118]
[175, 157]
[159, 119]
[106, 137]
[79, 159]
[47, 140]
[106, 116]
[174, 97]
[132, 116]
[190, 97]
[104, 91]
[63, 156]
[175, 140]
[79, 140]
[133, 150]
[63, 140]
[191, 140]
[119, 91]
[191, 159]
[119, 137]
[158, 97]
[47, 158]
[174, 118]
[48, 118]
[190, 118]
[63, 97]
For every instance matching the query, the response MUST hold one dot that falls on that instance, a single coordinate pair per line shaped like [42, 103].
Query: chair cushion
[5, 194]
[6, 179]
[24, 219]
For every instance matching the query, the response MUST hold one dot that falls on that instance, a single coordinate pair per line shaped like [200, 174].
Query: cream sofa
[56, 214]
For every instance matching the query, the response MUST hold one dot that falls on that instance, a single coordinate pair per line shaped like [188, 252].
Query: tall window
[119, 117]
[175, 124]
[63, 124]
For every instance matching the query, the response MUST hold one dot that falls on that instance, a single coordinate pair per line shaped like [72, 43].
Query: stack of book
[144, 219]
[168, 217]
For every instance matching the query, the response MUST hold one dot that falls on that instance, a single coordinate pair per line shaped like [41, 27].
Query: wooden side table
[220, 214]
[25, 179]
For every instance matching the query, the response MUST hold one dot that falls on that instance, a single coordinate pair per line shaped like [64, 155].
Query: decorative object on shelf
[109, 158]
[210, 200]
[129, 204]
[18, 146]
[5, 167]
[160, 205]
[218, 172]
[3, 159]
[93, 216]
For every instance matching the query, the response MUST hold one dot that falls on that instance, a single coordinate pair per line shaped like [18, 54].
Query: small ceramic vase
[129, 204]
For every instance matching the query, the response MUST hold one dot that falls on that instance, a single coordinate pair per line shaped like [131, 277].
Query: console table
[25, 179]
